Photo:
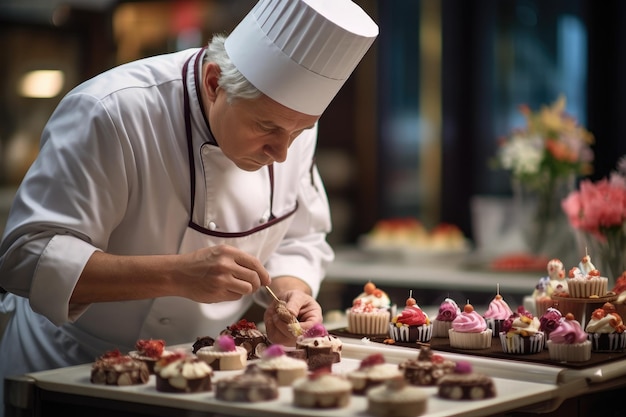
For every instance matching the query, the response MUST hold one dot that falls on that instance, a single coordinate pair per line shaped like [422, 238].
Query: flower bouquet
[545, 158]
[598, 211]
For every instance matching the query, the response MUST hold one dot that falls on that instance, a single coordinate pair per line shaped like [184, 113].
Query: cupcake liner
[607, 342]
[405, 333]
[579, 288]
[440, 328]
[564, 352]
[375, 323]
[522, 345]
[480, 340]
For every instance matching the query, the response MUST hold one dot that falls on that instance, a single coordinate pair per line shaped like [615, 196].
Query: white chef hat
[300, 52]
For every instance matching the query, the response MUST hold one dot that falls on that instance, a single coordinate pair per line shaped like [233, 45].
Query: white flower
[522, 154]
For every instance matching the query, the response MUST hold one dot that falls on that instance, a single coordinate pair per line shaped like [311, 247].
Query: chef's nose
[277, 150]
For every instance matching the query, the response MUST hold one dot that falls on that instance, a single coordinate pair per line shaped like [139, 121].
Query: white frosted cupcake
[224, 355]
[322, 389]
[469, 330]
[606, 330]
[585, 281]
[521, 335]
[285, 369]
[370, 313]
[373, 371]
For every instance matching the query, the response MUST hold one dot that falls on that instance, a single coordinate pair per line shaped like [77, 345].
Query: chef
[168, 192]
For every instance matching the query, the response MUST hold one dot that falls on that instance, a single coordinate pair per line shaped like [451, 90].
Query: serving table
[521, 386]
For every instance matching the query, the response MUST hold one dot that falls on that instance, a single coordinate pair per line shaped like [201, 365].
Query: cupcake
[182, 373]
[277, 364]
[395, 398]
[568, 342]
[411, 325]
[549, 321]
[521, 335]
[619, 291]
[322, 389]
[370, 313]
[224, 355]
[469, 330]
[605, 330]
[465, 384]
[372, 371]
[247, 335]
[497, 312]
[251, 386]
[448, 310]
[552, 284]
[427, 369]
[149, 351]
[317, 341]
[585, 281]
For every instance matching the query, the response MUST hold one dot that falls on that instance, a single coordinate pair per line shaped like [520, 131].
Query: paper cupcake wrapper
[411, 333]
[369, 323]
[563, 352]
[440, 328]
[586, 288]
[480, 340]
[522, 345]
[607, 342]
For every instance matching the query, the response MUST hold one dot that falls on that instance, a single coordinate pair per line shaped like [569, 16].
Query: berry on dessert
[114, 368]
[465, 384]
[370, 312]
[277, 364]
[568, 342]
[372, 371]
[149, 351]
[448, 310]
[180, 372]
[224, 355]
[427, 369]
[395, 398]
[248, 336]
[469, 330]
[322, 389]
[251, 386]
[605, 330]
[411, 325]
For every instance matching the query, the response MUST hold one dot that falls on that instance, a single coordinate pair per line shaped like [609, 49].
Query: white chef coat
[113, 175]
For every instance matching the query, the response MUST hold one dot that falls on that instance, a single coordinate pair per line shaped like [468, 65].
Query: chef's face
[255, 133]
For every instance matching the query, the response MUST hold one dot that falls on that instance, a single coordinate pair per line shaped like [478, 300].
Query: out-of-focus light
[41, 84]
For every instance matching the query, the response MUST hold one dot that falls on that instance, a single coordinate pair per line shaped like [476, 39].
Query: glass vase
[542, 222]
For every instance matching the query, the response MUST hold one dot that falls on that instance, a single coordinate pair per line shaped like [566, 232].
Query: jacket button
[212, 226]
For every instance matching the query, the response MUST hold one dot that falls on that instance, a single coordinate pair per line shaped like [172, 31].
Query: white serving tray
[517, 387]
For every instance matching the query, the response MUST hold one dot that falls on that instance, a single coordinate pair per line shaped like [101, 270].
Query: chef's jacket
[113, 175]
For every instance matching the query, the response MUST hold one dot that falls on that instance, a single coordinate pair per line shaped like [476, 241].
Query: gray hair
[231, 80]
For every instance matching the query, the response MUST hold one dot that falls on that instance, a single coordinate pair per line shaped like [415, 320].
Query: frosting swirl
[568, 332]
[448, 310]
[469, 321]
[498, 309]
[605, 320]
[412, 316]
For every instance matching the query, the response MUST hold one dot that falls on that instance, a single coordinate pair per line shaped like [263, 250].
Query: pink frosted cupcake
[521, 335]
[448, 310]
[568, 342]
[411, 325]
[469, 330]
[497, 313]
[605, 330]
[370, 313]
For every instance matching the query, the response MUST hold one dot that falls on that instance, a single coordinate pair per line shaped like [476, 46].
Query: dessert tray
[517, 387]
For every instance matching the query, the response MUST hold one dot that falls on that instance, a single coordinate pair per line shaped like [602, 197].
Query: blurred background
[411, 133]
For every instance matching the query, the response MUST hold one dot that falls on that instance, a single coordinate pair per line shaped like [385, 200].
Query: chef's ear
[210, 79]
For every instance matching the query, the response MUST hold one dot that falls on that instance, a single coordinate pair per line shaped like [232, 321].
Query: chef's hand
[222, 273]
[302, 306]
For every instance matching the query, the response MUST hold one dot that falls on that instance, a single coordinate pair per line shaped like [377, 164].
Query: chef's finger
[251, 264]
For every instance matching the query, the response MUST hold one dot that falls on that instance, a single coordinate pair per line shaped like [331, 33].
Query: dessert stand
[520, 386]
